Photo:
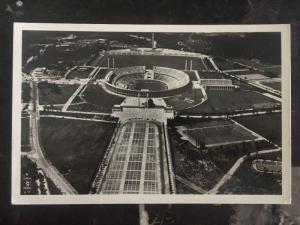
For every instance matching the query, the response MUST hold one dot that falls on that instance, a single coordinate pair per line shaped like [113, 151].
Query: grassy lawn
[210, 75]
[227, 65]
[248, 181]
[25, 134]
[268, 126]
[101, 74]
[205, 167]
[275, 85]
[176, 62]
[80, 73]
[54, 93]
[184, 100]
[75, 148]
[228, 101]
[25, 92]
[254, 76]
[95, 95]
[191, 166]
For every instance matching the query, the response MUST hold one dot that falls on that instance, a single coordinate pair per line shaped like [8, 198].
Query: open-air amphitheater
[137, 82]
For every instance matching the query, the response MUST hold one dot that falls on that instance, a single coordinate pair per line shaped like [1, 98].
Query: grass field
[248, 181]
[268, 126]
[101, 74]
[208, 64]
[210, 75]
[54, 93]
[75, 148]
[228, 101]
[274, 84]
[25, 92]
[184, 100]
[152, 85]
[80, 73]
[176, 62]
[186, 162]
[227, 65]
[25, 133]
[255, 63]
[95, 95]
[218, 133]
[253, 76]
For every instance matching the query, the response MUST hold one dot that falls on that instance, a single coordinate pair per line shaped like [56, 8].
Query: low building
[218, 84]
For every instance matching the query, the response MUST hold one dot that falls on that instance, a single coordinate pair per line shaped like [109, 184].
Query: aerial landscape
[151, 113]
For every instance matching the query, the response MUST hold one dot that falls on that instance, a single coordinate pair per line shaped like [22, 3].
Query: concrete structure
[121, 81]
[136, 108]
[218, 84]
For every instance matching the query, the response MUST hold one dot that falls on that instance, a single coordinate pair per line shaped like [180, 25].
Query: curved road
[234, 168]
[37, 154]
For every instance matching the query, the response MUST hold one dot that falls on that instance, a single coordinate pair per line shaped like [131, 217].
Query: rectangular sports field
[216, 133]
[176, 62]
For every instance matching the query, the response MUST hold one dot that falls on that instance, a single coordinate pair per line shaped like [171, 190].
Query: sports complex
[150, 95]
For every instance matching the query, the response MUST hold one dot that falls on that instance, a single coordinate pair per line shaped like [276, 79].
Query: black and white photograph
[151, 114]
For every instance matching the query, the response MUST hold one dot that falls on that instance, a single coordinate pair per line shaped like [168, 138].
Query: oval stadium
[137, 81]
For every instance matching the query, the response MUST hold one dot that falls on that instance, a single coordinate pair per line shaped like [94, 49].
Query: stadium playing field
[152, 85]
[135, 164]
[216, 133]
[176, 62]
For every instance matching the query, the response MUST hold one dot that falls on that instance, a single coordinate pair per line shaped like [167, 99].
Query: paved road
[234, 114]
[70, 100]
[190, 184]
[37, 154]
[79, 118]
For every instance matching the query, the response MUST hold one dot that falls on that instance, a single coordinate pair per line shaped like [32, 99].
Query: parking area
[135, 164]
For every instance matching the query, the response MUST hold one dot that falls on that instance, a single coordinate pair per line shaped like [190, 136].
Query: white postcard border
[285, 198]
